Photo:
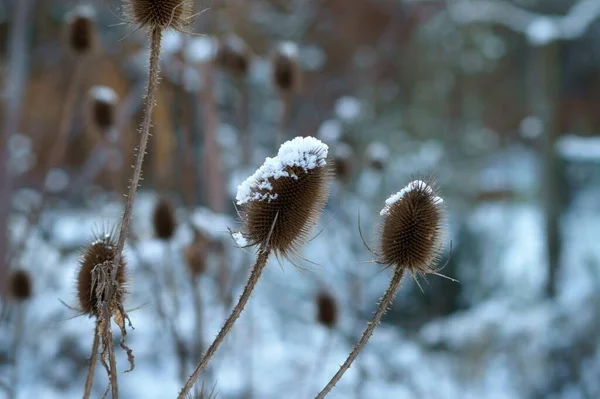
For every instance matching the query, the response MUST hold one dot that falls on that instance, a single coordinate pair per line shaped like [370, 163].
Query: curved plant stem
[92, 368]
[261, 262]
[386, 300]
[153, 81]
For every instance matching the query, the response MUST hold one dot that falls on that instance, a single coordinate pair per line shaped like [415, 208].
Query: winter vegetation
[289, 199]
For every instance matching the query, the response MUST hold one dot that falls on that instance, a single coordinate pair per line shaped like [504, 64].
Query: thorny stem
[153, 81]
[261, 262]
[108, 342]
[92, 367]
[198, 350]
[386, 300]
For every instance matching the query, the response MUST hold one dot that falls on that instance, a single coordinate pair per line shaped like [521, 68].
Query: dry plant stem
[108, 338]
[286, 105]
[386, 300]
[92, 368]
[199, 349]
[320, 360]
[153, 81]
[261, 262]
[14, 88]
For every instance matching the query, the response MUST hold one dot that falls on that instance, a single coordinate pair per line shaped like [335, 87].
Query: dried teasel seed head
[161, 14]
[327, 309]
[164, 219]
[283, 199]
[94, 272]
[377, 155]
[103, 102]
[286, 72]
[81, 29]
[20, 285]
[196, 253]
[233, 55]
[343, 161]
[412, 228]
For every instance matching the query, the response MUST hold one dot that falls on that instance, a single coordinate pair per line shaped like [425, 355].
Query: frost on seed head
[303, 152]
[104, 94]
[413, 185]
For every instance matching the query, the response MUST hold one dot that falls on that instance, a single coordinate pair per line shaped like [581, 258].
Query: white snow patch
[579, 148]
[56, 180]
[81, 11]
[542, 31]
[413, 185]
[201, 49]
[104, 94]
[531, 127]
[348, 108]
[330, 130]
[377, 151]
[240, 240]
[304, 152]
[288, 49]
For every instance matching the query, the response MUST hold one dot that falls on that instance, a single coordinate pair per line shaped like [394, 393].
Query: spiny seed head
[233, 55]
[161, 14]
[377, 156]
[164, 220]
[100, 255]
[283, 199]
[103, 103]
[19, 285]
[195, 255]
[286, 70]
[342, 161]
[327, 309]
[412, 228]
[81, 29]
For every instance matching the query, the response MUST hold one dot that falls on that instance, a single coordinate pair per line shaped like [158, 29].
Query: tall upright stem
[261, 262]
[92, 367]
[386, 300]
[153, 81]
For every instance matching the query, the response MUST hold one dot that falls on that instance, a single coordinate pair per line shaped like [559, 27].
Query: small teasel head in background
[327, 309]
[20, 286]
[81, 33]
[377, 155]
[161, 14]
[286, 72]
[164, 219]
[343, 161]
[281, 202]
[411, 229]
[94, 275]
[103, 102]
[196, 254]
[233, 56]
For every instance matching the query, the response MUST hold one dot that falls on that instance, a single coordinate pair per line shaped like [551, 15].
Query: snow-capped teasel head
[283, 199]
[233, 55]
[377, 155]
[81, 35]
[411, 228]
[286, 72]
[102, 107]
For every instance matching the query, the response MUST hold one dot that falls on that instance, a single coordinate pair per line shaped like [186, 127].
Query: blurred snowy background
[498, 100]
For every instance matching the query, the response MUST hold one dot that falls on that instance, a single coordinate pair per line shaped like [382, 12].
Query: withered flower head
[94, 274]
[377, 155]
[164, 220]
[233, 55]
[19, 285]
[412, 228]
[286, 70]
[196, 253]
[161, 14]
[327, 309]
[283, 199]
[343, 161]
[81, 29]
[103, 102]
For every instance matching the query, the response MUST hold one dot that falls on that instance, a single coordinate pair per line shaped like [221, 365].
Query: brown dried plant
[281, 203]
[286, 75]
[409, 239]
